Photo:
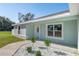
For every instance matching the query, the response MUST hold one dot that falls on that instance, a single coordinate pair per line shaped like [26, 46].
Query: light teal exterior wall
[69, 31]
[29, 30]
[78, 35]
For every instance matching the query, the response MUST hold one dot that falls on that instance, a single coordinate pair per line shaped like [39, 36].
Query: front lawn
[6, 38]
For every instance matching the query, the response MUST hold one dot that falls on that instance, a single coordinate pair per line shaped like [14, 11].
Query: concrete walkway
[10, 49]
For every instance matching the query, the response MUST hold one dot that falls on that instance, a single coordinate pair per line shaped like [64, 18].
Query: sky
[11, 10]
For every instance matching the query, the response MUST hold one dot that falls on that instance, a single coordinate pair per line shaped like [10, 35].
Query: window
[18, 29]
[58, 30]
[54, 30]
[50, 30]
[38, 29]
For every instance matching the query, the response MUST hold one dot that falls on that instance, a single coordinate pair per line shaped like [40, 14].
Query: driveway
[14, 48]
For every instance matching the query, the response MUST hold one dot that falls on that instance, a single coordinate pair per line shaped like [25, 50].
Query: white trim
[51, 36]
[35, 29]
[46, 18]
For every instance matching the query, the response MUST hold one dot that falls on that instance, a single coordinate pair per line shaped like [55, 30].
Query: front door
[37, 31]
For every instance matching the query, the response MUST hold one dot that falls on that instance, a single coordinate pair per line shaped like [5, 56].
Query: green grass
[7, 38]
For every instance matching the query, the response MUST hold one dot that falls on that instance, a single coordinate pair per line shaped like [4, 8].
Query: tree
[5, 24]
[25, 17]
[20, 17]
[28, 16]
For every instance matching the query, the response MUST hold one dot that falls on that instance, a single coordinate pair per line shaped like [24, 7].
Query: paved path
[10, 49]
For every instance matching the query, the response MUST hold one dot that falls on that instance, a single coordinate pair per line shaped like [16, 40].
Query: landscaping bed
[54, 50]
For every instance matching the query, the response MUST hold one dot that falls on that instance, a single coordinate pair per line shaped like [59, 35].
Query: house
[61, 28]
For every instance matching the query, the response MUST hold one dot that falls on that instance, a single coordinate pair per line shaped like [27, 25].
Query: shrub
[33, 39]
[47, 42]
[38, 53]
[29, 49]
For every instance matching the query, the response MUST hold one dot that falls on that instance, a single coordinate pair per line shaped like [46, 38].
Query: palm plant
[33, 40]
[47, 43]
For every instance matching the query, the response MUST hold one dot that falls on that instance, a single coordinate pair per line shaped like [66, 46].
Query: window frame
[53, 37]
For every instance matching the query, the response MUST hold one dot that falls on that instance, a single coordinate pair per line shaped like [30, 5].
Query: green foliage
[38, 53]
[5, 24]
[47, 42]
[25, 17]
[27, 38]
[7, 38]
[33, 39]
[29, 49]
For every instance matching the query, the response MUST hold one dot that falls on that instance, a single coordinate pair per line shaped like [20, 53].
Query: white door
[37, 31]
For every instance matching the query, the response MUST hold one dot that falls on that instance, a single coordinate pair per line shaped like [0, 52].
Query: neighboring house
[62, 28]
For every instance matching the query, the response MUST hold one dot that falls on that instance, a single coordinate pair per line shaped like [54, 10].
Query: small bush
[29, 49]
[47, 42]
[33, 39]
[38, 53]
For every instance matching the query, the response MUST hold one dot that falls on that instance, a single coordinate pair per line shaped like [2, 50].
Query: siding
[78, 34]
[69, 32]
[30, 30]
[22, 31]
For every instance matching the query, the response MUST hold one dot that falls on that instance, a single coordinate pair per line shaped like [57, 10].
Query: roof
[47, 17]
[53, 14]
